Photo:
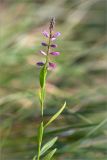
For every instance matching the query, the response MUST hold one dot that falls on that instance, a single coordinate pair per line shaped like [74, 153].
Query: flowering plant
[45, 66]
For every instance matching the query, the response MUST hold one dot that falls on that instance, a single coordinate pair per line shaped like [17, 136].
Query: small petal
[56, 35]
[55, 53]
[53, 45]
[52, 65]
[45, 33]
[44, 44]
[42, 52]
[40, 63]
[52, 39]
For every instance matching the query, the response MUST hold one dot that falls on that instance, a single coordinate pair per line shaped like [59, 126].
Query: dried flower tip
[52, 65]
[45, 33]
[56, 35]
[55, 53]
[52, 23]
[44, 44]
[40, 64]
[42, 52]
[53, 45]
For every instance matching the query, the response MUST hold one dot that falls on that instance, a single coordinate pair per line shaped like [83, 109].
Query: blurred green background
[80, 78]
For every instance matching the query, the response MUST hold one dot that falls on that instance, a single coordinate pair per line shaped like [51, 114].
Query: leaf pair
[46, 147]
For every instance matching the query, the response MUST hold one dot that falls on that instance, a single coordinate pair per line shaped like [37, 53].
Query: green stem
[40, 142]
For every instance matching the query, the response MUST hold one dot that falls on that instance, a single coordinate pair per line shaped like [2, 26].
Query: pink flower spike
[55, 53]
[56, 35]
[45, 33]
[44, 44]
[53, 45]
[52, 65]
[42, 52]
[40, 64]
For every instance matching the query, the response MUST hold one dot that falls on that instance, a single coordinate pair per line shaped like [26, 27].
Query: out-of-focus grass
[80, 78]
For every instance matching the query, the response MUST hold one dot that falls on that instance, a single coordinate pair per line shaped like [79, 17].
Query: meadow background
[80, 78]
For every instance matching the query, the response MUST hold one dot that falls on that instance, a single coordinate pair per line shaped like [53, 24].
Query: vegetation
[80, 78]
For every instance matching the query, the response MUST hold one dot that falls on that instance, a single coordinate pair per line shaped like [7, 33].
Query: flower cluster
[51, 36]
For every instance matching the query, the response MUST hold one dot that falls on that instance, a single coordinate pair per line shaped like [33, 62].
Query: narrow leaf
[48, 145]
[42, 77]
[50, 155]
[56, 115]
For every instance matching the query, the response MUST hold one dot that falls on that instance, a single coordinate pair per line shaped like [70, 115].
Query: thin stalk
[39, 148]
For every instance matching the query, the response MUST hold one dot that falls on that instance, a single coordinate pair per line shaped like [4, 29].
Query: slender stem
[40, 133]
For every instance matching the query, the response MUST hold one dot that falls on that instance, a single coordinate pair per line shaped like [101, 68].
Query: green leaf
[50, 155]
[42, 77]
[48, 145]
[56, 115]
[40, 135]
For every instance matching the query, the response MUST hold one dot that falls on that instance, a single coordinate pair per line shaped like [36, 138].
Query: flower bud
[40, 64]
[44, 44]
[55, 53]
[56, 35]
[52, 65]
[42, 52]
[53, 45]
[45, 33]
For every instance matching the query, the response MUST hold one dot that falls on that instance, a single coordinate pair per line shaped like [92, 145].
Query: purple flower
[56, 35]
[44, 44]
[40, 64]
[53, 45]
[42, 52]
[55, 53]
[45, 33]
[52, 65]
